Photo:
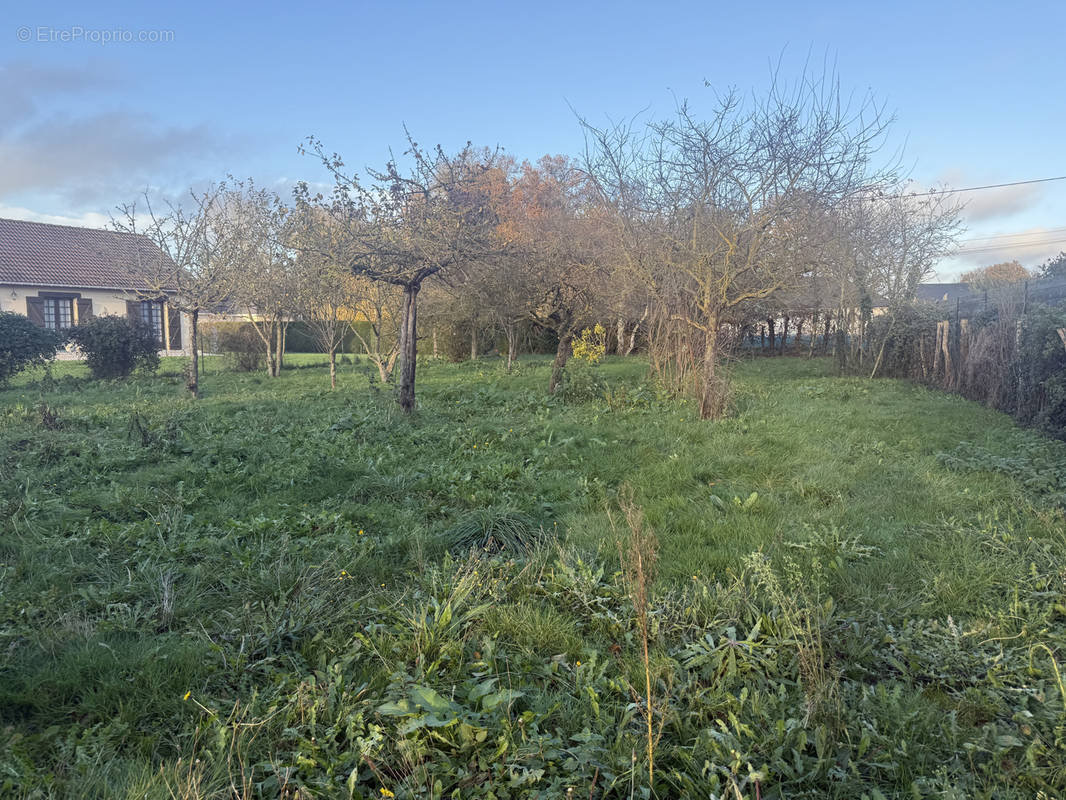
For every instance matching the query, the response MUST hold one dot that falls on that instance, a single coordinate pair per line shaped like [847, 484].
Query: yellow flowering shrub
[591, 346]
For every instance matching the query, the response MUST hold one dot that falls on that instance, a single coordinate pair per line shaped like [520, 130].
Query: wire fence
[1004, 347]
[1019, 297]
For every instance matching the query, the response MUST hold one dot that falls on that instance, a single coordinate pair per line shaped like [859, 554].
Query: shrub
[453, 339]
[907, 335]
[581, 383]
[116, 346]
[23, 344]
[591, 346]
[242, 346]
[1038, 374]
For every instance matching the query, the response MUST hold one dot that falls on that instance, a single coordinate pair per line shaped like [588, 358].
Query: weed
[263, 593]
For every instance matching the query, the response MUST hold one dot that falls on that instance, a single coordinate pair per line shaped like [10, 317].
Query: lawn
[279, 590]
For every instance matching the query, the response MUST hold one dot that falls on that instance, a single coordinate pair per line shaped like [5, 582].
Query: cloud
[84, 158]
[1004, 202]
[99, 156]
[1032, 247]
[988, 204]
[90, 219]
[23, 85]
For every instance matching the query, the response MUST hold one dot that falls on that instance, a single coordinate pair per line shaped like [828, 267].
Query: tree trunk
[881, 349]
[473, 340]
[784, 335]
[434, 341]
[814, 335]
[620, 335]
[633, 333]
[712, 399]
[799, 333]
[272, 353]
[333, 368]
[408, 347]
[562, 352]
[280, 349]
[825, 338]
[771, 334]
[192, 373]
[841, 350]
[512, 343]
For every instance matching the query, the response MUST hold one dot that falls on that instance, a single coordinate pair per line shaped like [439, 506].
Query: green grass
[299, 562]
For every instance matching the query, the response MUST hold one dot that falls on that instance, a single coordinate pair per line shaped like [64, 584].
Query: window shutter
[133, 309]
[35, 310]
[175, 328]
[85, 310]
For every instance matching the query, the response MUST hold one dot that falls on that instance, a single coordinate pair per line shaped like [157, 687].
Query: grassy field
[859, 589]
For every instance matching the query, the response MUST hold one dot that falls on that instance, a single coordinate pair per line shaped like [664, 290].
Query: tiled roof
[37, 254]
[944, 292]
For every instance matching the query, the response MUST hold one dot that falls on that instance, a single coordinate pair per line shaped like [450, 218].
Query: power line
[969, 188]
[1000, 248]
[1032, 242]
[1013, 235]
[989, 186]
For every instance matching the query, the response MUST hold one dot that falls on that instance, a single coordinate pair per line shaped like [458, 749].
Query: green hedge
[453, 339]
[298, 337]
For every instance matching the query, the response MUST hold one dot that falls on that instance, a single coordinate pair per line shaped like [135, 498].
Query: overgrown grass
[281, 590]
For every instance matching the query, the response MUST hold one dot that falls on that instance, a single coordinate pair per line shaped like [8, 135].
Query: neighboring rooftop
[39, 254]
[944, 292]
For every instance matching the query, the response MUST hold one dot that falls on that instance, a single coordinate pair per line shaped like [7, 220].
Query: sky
[98, 104]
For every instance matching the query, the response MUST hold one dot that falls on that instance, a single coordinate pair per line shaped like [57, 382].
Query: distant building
[946, 293]
[59, 275]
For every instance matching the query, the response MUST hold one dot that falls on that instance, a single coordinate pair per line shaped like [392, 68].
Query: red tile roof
[37, 254]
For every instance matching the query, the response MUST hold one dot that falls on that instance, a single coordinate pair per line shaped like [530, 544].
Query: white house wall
[105, 302]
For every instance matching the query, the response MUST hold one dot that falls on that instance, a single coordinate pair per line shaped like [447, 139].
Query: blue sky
[977, 89]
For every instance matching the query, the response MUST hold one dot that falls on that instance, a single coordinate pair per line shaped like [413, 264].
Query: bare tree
[191, 264]
[261, 261]
[706, 208]
[403, 227]
[377, 306]
[908, 234]
[326, 299]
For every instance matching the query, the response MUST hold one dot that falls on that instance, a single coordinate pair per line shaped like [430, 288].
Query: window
[58, 312]
[152, 316]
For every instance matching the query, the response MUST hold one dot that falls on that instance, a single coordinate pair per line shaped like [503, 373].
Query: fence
[1022, 295]
[1005, 347]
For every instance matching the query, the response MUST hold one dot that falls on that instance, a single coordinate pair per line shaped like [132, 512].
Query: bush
[300, 338]
[242, 346]
[906, 333]
[23, 344]
[116, 346]
[453, 340]
[582, 383]
[1038, 374]
[591, 346]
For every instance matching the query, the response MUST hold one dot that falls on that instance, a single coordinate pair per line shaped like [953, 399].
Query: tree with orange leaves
[558, 235]
[996, 275]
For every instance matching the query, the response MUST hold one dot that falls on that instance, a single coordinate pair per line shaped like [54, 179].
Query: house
[59, 275]
[946, 293]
